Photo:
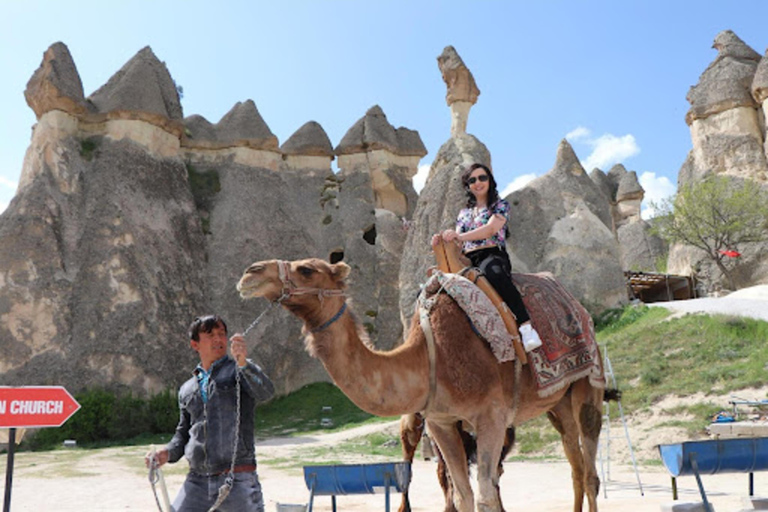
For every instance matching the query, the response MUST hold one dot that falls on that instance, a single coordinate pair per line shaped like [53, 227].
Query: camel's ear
[340, 271]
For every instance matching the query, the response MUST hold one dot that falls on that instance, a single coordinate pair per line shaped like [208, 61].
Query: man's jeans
[200, 492]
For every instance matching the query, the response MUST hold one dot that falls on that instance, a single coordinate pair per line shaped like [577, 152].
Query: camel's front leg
[448, 441]
[491, 434]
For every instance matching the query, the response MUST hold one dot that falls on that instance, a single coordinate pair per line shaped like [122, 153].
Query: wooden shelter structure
[657, 287]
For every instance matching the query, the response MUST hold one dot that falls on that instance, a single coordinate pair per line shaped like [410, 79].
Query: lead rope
[226, 487]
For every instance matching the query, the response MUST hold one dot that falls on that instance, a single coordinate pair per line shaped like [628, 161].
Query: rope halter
[290, 289]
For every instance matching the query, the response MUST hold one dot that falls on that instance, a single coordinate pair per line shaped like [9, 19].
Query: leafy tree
[716, 215]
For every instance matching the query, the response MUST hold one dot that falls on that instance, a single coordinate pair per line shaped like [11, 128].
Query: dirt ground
[114, 479]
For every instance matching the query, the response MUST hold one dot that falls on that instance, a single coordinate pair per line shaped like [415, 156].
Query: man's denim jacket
[206, 431]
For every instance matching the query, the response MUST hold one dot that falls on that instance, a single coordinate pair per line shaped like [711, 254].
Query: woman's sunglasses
[483, 178]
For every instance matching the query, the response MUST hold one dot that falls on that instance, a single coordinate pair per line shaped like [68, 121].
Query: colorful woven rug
[569, 350]
[485, 318]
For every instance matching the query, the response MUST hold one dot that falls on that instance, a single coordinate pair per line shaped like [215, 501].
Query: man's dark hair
[493, 194]
[205, 324]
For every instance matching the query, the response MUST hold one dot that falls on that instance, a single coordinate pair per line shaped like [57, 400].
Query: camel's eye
[306, 271]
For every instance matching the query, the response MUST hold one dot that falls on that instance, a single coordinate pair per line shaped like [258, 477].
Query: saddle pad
[569, 350]
[482, 313]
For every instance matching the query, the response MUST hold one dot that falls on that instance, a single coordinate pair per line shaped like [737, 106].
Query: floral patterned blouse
[473, 218]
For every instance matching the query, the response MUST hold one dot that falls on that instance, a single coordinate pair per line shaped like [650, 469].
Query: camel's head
[273, 279]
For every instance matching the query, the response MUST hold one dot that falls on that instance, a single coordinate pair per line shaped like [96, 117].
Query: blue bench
[739, 455]
[341, 479]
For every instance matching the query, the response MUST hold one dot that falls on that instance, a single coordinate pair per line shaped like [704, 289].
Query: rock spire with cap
[142, 84]
[310, 140]
[56, 84]
[727, 81]
[462, 90]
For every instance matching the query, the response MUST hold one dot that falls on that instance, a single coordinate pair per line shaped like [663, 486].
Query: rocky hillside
[131, 219]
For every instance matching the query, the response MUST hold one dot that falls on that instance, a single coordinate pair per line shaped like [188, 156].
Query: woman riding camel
[482, 229]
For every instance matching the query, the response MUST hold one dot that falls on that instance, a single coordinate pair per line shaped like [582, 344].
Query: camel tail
[612, 394]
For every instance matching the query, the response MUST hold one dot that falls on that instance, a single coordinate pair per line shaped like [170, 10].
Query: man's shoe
[530, 337]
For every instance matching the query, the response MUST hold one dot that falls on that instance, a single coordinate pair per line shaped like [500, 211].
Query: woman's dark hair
[205, 324]
[493, 194]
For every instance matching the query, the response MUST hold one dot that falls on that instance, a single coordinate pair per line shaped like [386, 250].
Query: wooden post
[9, 469]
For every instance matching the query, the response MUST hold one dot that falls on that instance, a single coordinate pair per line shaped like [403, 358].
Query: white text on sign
[32, 407]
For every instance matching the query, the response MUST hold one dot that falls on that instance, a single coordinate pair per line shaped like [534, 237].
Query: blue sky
[610, 75]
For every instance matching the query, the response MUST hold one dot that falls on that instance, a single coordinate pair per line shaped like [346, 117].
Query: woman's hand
[435, 239]
[450, 235]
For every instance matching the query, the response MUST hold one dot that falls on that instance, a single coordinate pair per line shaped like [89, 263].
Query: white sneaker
[530, 337]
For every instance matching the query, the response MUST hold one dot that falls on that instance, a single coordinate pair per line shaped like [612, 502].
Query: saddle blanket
[483, 315]
[569, 350]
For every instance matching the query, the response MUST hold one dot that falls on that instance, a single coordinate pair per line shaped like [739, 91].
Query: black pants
[494, 263]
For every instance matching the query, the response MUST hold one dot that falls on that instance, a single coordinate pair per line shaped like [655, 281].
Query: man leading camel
[208, 404]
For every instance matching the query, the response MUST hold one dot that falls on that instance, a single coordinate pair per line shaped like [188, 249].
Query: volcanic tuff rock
[462, 90]
[56, 84]
[439, 202]
[310, 139]
[728, 136]
[561, 223]
[143, 84]
[727, 129]
[639, 249]
[127, 224]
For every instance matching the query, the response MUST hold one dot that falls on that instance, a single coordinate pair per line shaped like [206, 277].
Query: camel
[464, 381]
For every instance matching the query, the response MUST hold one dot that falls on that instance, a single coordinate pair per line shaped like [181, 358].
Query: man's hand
[160, 457]
[239, 349]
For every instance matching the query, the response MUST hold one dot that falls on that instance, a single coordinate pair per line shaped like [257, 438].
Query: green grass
[301, 412]
[653, 358]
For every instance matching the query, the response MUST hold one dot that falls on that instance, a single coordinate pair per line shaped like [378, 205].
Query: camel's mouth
[251, 288]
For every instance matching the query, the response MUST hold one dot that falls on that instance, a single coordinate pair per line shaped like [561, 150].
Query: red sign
[35, 406]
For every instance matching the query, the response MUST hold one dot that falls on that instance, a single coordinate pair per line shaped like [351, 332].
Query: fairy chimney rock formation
[563, 225]
[308, 148]
[241, 134]
[728, 134]
[726, 126]
[760, 90]
[462, 90]
[390, 155]
[56, 84]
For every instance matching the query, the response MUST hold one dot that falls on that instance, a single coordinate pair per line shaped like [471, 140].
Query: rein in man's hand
[238, 349]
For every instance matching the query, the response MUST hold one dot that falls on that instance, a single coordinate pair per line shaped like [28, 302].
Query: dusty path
[114, 479]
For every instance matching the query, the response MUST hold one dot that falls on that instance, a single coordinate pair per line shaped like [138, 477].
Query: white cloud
[656, 189]
[578, 133]
[420, 178]
[517, 184]
[608, 150]
[8, 183]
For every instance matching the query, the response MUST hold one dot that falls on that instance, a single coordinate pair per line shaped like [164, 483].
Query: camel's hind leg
[411, 428]
[448, 441]
[578, 418]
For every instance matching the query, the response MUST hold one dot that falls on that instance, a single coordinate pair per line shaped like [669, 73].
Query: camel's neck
[382, 383]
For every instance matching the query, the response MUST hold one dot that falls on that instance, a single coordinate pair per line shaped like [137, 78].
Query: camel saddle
[569, 351]
[449, 260]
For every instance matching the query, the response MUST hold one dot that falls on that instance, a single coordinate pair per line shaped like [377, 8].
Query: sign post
[31, 406]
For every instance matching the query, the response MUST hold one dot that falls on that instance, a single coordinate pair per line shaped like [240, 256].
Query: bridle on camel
[290, 289]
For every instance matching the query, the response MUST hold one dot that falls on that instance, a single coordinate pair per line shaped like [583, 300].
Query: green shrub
[106, 417]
